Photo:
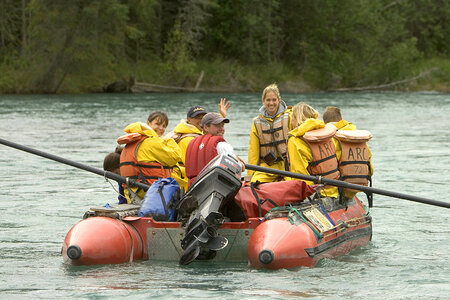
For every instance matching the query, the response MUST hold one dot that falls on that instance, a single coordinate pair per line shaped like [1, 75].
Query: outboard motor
[200, 208]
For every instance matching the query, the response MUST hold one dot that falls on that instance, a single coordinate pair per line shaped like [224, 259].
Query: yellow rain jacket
[184, 133]
[187, 132]
[254, 150]
[300, 154]
[344, 125]
[153, 149]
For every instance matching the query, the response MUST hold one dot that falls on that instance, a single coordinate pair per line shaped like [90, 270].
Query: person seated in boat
[268, 136]
[205, 147]
[311, 148]
[146, 156]
[332, 114]
[352, 151]
[111, 163]
[186, 131]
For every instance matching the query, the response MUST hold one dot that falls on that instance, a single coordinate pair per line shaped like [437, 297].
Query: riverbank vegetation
[79, 46]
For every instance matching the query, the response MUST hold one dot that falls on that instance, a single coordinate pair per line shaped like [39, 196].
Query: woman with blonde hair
[311, 148]
[268, 135]
[301, 112]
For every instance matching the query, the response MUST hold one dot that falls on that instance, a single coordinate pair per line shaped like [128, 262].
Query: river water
[409, 255]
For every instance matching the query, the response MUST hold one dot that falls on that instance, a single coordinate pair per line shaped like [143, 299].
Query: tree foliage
[78, 38]
[46, 45]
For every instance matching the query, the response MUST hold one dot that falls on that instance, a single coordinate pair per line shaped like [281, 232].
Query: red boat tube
[280, 243]
[102, 240]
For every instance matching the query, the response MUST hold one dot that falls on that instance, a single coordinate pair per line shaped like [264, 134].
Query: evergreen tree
[13, 22]
[143, 30]
[246, 30]
[177, 58]
[347, 43]
[82, 37]
[429, 23]
[193, 17]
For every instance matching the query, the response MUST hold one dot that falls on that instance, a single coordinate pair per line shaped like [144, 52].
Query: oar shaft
[75, 164]
[338, 183]
[315, 179]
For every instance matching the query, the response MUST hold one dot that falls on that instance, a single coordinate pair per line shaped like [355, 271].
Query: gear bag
[160, 200]
[257, 199]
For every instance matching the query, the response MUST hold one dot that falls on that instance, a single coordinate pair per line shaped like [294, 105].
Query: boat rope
[132, 242]
[232, 244]
[173, 242]
[354, 222]
[115, 190]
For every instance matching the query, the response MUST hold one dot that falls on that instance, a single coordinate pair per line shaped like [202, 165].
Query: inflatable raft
[273, 226]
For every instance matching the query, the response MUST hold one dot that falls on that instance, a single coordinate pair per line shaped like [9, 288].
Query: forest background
[79, 46]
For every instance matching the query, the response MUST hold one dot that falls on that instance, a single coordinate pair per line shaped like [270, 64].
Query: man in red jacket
[202, 149]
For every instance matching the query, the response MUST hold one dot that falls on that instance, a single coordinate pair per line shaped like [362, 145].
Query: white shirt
[226, 148]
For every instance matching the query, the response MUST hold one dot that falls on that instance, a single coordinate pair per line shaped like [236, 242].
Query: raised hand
[224, 105]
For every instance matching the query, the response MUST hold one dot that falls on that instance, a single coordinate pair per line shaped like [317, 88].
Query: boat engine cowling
[200, 210]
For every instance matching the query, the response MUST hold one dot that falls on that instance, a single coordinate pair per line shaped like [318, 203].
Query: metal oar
[315, 179]
[100, 172]
[338, 183]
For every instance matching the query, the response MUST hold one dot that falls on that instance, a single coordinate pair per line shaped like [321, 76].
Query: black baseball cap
[195, 111]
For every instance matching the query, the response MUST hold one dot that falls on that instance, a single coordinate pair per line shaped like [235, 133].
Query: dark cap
[213, 118]
[195, 111]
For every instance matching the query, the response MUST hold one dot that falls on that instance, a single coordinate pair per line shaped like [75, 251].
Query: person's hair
[271, 88]
[302, 111]
[159, 116]
[332, 114]
[112, 160]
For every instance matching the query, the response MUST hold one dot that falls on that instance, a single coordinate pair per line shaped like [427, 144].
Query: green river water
[408, 257]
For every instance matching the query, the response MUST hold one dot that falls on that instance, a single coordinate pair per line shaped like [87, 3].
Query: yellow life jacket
[354, 163]
[324, 161]
[272, 137]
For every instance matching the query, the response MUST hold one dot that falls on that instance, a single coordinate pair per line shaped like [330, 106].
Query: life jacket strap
[275, 160]
[272, 130]
[178, 167]
[355, 176]
[315, 163]
[273, 143]
[370, 194]
[328, 173]
[355, 162]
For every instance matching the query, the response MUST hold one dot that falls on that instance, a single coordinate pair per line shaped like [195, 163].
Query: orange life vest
[144, 172]
[324, 161]
[354, 163]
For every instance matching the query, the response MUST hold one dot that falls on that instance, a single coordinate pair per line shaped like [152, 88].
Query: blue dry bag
[158, 201]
